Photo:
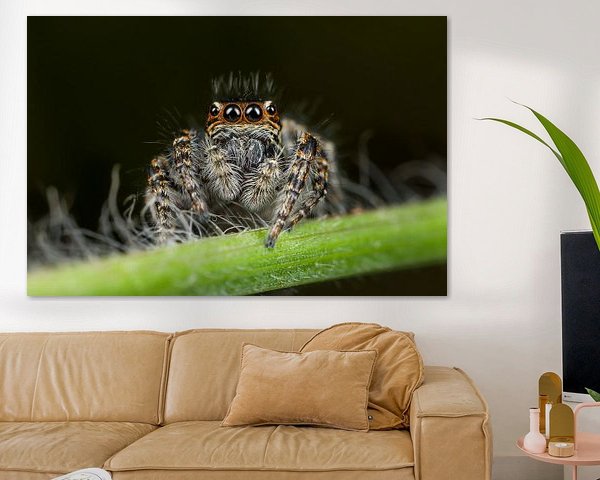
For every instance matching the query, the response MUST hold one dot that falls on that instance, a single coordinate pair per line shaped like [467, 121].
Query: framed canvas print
[237, 156]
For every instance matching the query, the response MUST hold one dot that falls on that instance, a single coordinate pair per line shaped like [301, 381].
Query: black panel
[580, 266]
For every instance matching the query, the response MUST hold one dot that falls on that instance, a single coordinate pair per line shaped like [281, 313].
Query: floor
[524, 468]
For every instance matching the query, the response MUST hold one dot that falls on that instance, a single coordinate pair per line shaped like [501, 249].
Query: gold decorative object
[550, 393]
[562, 431]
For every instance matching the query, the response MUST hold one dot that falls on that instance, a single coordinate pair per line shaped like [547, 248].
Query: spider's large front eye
[214, 109]
[253, 112]
[232, 113]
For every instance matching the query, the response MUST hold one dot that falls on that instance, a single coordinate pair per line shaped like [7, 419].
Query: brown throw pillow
[324, 388]
[398, 369]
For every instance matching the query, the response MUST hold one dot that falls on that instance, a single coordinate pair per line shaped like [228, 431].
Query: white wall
[509, 199]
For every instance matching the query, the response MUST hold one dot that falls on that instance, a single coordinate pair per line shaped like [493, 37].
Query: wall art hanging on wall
[237, 156]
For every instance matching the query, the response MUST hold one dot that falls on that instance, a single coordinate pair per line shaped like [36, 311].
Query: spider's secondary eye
[232, 113]
[271, 109]
[253, 112]
[214, 110]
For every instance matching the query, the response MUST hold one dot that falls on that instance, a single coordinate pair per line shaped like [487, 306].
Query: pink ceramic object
[534, 441]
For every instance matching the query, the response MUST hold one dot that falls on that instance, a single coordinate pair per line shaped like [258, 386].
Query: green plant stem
[239, 264]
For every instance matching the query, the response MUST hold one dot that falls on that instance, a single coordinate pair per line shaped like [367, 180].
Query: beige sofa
[147, 406]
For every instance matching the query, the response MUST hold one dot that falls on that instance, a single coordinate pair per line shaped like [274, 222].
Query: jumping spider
[247, 155]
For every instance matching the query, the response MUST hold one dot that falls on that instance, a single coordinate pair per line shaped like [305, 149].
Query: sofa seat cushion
[62, 447]
[243, 451]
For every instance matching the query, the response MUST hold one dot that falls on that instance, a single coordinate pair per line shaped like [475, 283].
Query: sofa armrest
[449, 426]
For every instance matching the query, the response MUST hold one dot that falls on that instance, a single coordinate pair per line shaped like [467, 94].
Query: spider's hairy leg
[300, 168]
[159, 195]
[319, 177]
[336, 201]
[186, 158]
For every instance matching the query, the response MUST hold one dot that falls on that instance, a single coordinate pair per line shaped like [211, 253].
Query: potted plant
[578, 169]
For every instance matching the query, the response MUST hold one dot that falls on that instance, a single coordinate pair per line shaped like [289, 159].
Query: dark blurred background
[98, 85]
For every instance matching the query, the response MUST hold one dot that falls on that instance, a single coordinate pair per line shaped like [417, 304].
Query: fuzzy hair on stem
[56, 237]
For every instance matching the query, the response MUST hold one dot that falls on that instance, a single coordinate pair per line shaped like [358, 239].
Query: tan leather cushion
[208, 447]
[403, 474]
[448, 413]
[324, 388]
[205, 366]
[102, 376]
[14, 475]
[62, 447]
[398, 369]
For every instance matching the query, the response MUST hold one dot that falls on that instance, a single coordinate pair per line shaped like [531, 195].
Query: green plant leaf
[404, 236]
[593, 394]
[574, 163]
[528, 132]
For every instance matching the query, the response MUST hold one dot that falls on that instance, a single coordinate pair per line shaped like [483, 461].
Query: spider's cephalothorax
[249, 156]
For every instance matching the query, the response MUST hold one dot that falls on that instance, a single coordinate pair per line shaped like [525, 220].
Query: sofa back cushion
[95, 376]
[205, 367]
[398, 369]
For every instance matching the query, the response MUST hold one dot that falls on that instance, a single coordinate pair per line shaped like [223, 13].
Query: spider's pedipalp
[260, 187]
[223, 176]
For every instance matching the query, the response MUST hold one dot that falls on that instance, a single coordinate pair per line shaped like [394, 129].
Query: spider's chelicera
[248, 155]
